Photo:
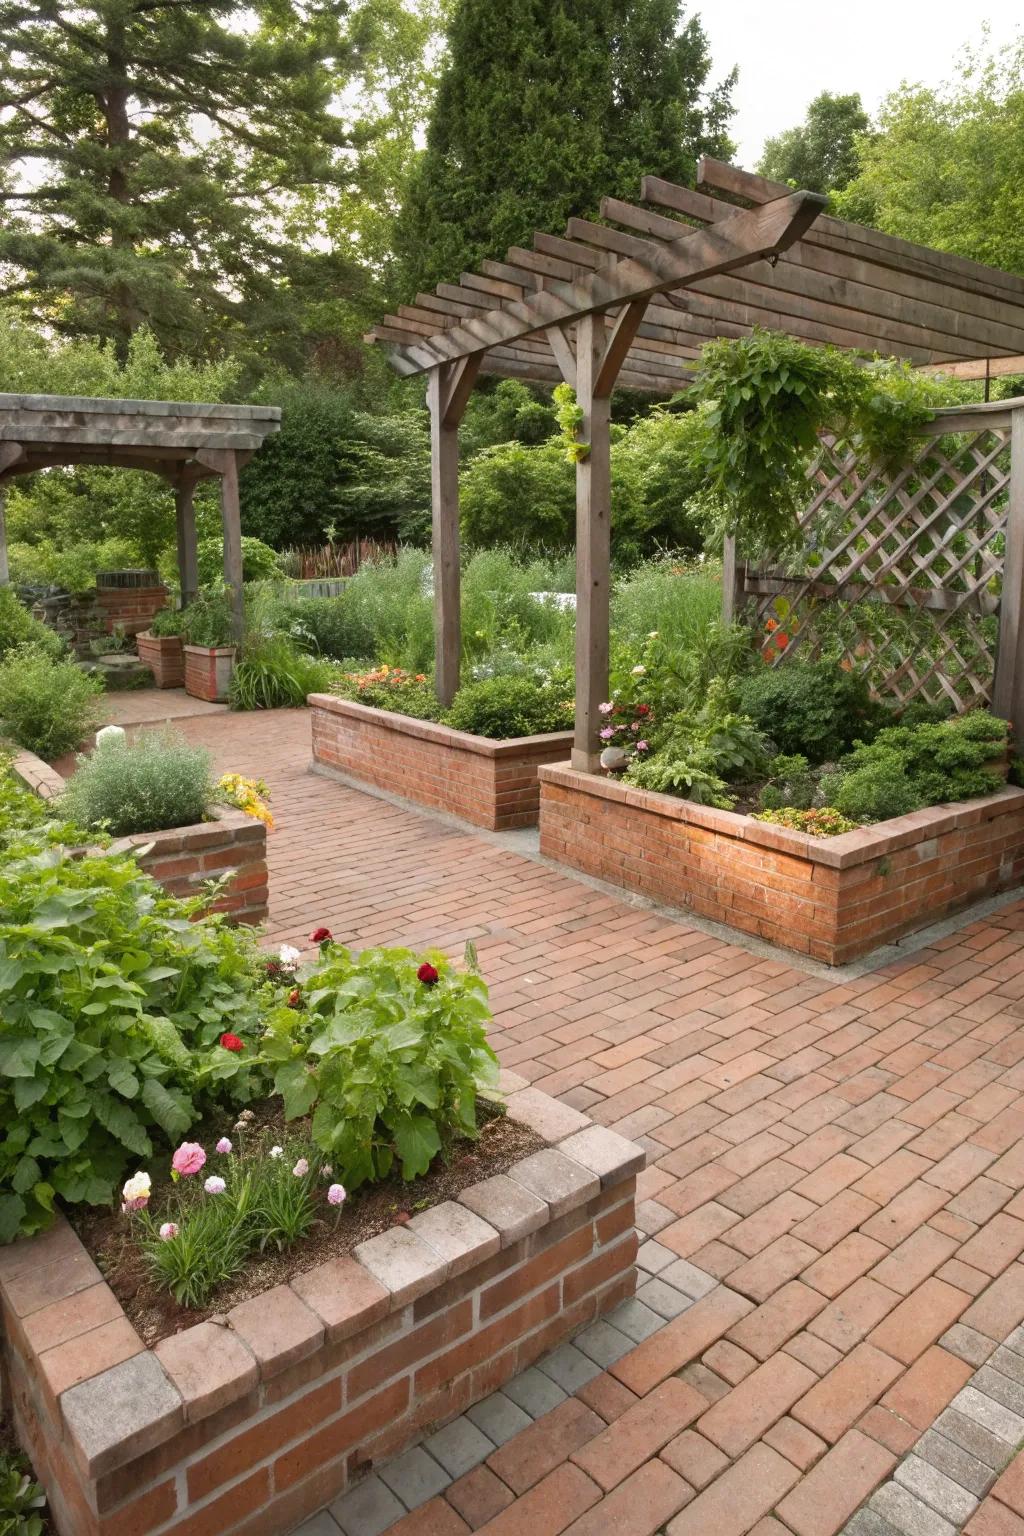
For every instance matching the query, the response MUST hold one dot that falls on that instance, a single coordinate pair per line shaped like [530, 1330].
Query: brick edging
[37, 776]
[444, 735]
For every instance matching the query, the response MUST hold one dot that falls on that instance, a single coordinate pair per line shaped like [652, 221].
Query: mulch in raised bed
[153, 1311]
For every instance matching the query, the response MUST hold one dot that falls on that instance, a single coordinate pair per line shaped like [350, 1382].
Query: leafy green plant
[160, 780]
[46, 706]
[207, 620]
[272, 673]
[391, 688]
[700, 750]
[21, 1499]
[168, 622]
[821, 821]
[115, 998]
[813, 708]
[259, 561]
[504, 707]
[18, 628]
[910, 766]
[765, 398]
[388, 1052]
[791, 784]
[569, 416]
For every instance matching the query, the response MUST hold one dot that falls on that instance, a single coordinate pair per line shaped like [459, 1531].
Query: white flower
[277, 1151]
[301, 1168]
[639, 671]
[136, 1191]
[605, 709]
[289, 956]
[214, 1185]
[652, 634]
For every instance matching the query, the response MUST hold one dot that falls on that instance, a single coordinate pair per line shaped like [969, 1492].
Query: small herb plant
[168, 623]
[391, 688]
[46, 706]
[387, 1052]
[157, 781]
[21, 1499]
[207, 621]
[816, 822]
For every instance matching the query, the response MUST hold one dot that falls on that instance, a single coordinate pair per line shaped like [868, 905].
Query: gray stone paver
[634, 1318]
[534, 1392]
[459, 1446]
[603, 1343]
[663, 1299]
[686, 1277]
[948, 1457]
[654, 1256]
[569, 1367]
[944, 1495]
[908, 1514]
[367, 1510]
[320, 1524]
[498, 1417]
[415, 1477]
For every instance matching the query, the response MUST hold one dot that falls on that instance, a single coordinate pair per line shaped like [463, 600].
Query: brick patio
[844, 1155]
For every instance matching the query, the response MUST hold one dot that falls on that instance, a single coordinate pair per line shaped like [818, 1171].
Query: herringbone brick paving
[846, 1156]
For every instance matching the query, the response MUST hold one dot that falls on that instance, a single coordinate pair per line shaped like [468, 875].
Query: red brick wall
[129, 608]
[492, 784]
[261, 1463]
[164, 655]
[833, 899]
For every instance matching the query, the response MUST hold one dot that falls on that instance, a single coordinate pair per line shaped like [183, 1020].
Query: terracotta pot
[208, 670]
[164, 656]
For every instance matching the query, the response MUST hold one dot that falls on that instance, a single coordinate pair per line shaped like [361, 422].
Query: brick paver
[844, 1152]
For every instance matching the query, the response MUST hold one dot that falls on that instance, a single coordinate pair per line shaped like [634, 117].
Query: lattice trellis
[901, 573]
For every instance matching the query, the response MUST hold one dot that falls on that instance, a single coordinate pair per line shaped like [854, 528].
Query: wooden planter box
[834, 899]
[254, 1421]
[492, 784]
[164, 655]
[208, 671]
[183, 858]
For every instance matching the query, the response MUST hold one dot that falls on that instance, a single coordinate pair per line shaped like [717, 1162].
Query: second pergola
[631, 301]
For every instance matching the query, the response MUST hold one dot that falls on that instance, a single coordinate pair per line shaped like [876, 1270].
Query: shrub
[259, 561]
[19, 628]
[207, 620]
[813, 708]
[168, 621]
[503, 707]
[391, 688]
[46, 706]
[910, 766]
[158, 781]
[388, 1055]
[820, 822]
[115, 998]
[272, 673]
[791, 784]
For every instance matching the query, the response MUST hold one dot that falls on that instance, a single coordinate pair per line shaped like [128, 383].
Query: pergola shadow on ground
[632, 301]
[181, 442]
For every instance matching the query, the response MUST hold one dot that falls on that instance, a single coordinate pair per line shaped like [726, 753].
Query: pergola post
[733, 591]
[448, 390]
[188, 552]
[1008, 682]
[592, 371]
[10, 453]
[225, 463]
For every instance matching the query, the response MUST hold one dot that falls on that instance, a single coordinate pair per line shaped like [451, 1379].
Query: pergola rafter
[632, 300]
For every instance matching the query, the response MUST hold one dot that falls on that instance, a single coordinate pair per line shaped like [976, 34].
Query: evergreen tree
[545, 106]
[151, 152]
[821, 154]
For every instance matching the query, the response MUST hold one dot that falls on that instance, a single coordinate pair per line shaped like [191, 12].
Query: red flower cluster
[321, 936]
[232, 1042]
[428, 974]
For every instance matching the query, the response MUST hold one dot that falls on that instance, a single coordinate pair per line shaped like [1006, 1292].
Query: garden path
[844, 1153]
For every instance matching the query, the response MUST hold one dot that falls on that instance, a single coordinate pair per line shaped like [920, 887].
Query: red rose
[294, 997]
[428, 974]
[231, 1042]
[321, 936]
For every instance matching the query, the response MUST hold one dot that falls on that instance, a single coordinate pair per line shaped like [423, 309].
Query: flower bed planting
[834, 898]
[491, 783]
[254, 1419]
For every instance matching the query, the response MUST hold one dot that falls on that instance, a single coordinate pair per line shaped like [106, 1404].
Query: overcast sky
[789, 50]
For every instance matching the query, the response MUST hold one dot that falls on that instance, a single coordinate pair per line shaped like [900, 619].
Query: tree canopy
[545, 106]
[946, 166]
[820, 155]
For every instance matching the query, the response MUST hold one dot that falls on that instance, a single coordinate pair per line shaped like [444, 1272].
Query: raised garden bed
[181, 859]
[251, 1420]
[164, 656]
[833, 899]
[492, 784]
[208, 670]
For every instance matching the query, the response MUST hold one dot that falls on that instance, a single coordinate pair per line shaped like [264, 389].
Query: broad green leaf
[122, 1122]
[167, 1108]
[19, 1055]
[297, 1087]
[12, 1213]
[417, 1143]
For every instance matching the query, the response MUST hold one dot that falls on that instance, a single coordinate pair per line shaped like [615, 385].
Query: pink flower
[607, 732]
[642, 746]
[215, 1186]
[223, 1146]
[301, 1168]
[168, 1230]
[336, 1194]
[188, 1159]
[606, 709]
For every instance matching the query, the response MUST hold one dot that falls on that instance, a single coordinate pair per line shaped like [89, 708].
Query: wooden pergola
[632, 301]
[181, 442]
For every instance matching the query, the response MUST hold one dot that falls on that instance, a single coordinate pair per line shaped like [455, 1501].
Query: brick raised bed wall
[248, 1424]
[834, 899]
[492, 784]
[183, 858]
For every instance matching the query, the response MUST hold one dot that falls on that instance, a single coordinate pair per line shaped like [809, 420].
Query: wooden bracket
[10, 455]
[617, 347]
[561, 344]
[457, 380]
